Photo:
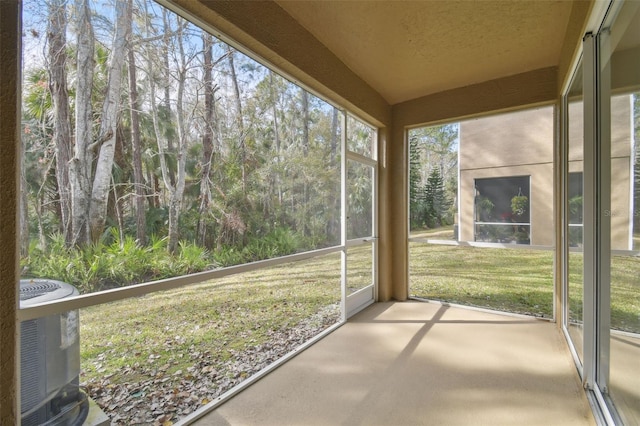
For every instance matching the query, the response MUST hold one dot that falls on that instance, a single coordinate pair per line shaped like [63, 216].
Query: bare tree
[239, 121]
[109, 121]
[174, 183]
[81, 163]
[134, 107]
[57, 57]
[24, 207]
[276, 131]
[207, 137]
[176, 194]
[305, 122]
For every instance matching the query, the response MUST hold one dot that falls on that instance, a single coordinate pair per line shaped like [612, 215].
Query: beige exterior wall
[621, 165]
[514, 144]
[521, 144]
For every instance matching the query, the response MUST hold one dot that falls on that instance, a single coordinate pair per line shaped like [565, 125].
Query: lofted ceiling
[409, 49]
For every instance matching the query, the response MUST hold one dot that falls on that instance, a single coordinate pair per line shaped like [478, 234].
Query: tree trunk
[138, 177]
[111, 107]
[334, 221]
[305, 123]
[117, 205]
[239, 121]
[161, 136]
[176, 196]
[165, 108]
[305, 152]
[81, 164]
[334, 136]
[57, 56]
[207, 138]
[276, 133]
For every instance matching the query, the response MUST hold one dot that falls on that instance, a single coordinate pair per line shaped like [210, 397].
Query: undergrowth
[119, 262]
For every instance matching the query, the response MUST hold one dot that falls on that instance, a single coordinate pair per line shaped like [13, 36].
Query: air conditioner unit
[50, 360]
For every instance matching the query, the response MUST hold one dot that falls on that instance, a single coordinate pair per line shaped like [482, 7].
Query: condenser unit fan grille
[38, 288]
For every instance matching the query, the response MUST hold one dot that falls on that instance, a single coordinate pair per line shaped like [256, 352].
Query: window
[502, 210]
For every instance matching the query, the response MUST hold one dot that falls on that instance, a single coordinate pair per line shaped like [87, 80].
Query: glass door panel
[619, 359]
[575, 158]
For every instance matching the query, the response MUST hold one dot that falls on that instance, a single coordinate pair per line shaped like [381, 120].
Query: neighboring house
[511, 155]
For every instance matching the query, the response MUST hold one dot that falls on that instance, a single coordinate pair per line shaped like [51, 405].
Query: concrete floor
[416, 363]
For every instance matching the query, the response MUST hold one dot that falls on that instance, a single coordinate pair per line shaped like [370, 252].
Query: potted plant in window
[519, 204]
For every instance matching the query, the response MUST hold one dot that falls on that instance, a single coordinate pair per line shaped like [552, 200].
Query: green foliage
[431, 197]
[279, 242]
[484, 207]
[272, 188]
[519, 204]
[415, 198]
[192, 258]
[435, 200]
[119, 263]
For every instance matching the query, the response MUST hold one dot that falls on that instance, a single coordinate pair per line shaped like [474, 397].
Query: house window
[502, 210]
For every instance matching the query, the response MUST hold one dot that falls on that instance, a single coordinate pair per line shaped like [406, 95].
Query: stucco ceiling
[409, 49]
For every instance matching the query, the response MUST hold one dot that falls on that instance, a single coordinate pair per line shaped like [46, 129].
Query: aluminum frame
[365, 296]
[590, 213]
[596, 55]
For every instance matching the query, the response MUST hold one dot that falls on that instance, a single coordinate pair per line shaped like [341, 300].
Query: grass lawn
[171, 340]
[516, 280]
[503, 279]
[218, 316]
[441, 233]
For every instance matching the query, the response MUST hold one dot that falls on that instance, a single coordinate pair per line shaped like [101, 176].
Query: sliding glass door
[602, 216]
[619, 90]
[574, 260]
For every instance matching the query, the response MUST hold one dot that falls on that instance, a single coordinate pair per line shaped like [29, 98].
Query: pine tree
[435, 200]
[416, 205]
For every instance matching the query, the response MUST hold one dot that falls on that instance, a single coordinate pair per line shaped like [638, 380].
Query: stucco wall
[514, 144]
[9, 275]
[522, 137]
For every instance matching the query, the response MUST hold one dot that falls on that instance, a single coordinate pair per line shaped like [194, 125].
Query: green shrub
[228, 256]
[113, 262]
[193, 258]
